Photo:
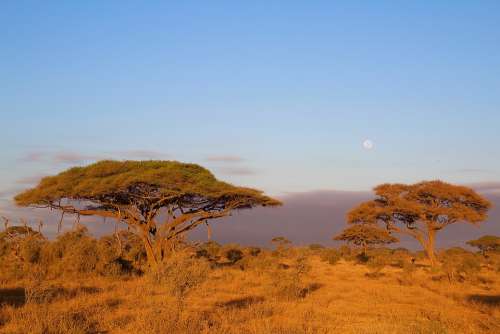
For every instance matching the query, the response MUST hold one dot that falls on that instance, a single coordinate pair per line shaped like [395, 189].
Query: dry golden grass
[309, 296]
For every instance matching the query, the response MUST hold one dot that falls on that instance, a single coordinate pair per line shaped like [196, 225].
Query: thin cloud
[33, 157]
[472, 171]
[236, 171]
[142, 154]
[224, 158]
[67, 157]
[29, 180]
[70, 157]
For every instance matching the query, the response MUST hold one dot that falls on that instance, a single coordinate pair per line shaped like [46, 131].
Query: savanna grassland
[80, 284]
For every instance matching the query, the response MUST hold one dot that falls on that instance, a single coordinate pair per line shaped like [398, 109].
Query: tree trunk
[150, 252]
[429, 246]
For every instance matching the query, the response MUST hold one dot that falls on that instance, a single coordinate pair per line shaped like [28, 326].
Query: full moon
[368, 144]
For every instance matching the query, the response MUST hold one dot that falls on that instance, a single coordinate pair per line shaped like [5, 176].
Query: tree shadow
[18, 296]
[309, 289]
[13, 297]
[488, 300]
[241, 303]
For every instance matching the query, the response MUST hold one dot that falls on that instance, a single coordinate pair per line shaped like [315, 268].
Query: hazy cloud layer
[315, 217]
[309, 217]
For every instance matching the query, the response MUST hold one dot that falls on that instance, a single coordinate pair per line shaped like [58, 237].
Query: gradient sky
[277, 95]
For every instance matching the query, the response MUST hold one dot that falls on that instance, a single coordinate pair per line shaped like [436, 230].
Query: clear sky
[278, 95]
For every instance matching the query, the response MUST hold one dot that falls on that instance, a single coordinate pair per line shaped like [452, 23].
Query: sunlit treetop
[422, 209]
[126, 182]
[486, 243]
[366, 234]
[436, 202]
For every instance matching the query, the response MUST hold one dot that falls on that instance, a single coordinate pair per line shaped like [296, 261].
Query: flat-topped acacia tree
[161, 200]
[421, 210]
[487, 243]
[364, 235]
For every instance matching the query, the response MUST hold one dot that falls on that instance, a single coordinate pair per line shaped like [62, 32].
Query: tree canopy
[126, 182]
[486, 243]
[140, 193]
[366, 234]
[422, 209]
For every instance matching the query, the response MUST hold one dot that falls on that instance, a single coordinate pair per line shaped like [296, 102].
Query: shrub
[376, 264]
[253, 251]
[42, 320]
[406, 276]
[459, 265]
[330, 255]
[20, 248]
[209, 250]
[316, 247]
[180, 273]
[346, 252]
[31, 248]
[288, 283]
[234, 255]
[282, 245]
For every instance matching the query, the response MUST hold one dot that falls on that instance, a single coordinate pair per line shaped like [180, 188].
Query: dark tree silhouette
[421, 210]
[161, 200]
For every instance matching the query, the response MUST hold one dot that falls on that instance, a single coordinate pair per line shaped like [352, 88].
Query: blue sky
[277, 95]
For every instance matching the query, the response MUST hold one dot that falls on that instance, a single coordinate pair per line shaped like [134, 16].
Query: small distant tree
[488, 243]
[421, 210]
[365, 235]
[161, 200]
[281, 243]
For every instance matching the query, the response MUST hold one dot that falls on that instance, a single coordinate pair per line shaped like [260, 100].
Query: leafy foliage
[487, 243]
[116, 181]
[422, 209]
[366, 235]
[140, 193]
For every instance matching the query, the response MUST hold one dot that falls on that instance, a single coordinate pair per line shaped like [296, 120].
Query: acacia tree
[364, 235]
[487, 243]
[421, 210]
[161, 200]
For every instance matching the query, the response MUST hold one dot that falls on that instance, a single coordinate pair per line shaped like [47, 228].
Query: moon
[368, 144]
